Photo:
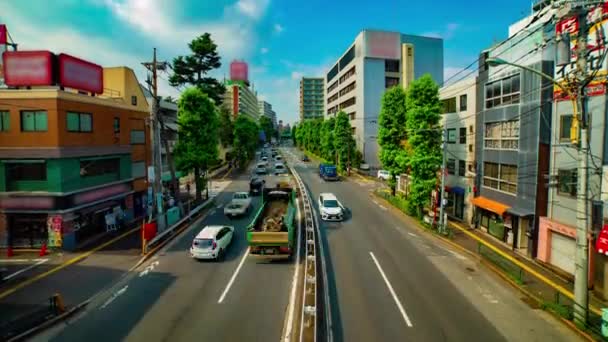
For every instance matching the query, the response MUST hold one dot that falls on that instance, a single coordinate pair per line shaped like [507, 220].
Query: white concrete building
[375, 61]
[459, 119]
[266, 110]
[241, 99]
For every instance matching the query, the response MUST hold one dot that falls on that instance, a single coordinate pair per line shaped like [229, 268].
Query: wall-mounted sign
[29, 202]
[601, 243]
[3, 34]
[80, 74]
[27, 68]
[384, 45]
[98, 194]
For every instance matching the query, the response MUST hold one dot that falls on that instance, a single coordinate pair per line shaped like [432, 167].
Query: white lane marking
[39, 262]
[457, 255]
[412, 234]
[114, 296]
[10, 261]
[149, 268]
[294, 282]
[390, 288]
[236, 272]
[380, 205]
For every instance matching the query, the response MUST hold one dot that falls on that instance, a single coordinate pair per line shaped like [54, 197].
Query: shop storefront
[489, 217]
[27, 230]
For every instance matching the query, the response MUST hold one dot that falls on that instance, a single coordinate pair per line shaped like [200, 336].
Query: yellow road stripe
[65, 264]
[539, 276]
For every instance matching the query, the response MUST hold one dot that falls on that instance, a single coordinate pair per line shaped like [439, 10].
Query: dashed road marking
[390, 288]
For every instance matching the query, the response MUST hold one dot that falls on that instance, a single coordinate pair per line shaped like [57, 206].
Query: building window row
[348, 103]
[391, 65]
[333, 98]
[347, 75]
[451, 167]
[99, 167]
[449, 105]
[503, 92]
[390, 82]
[348, 89]
[567, 182]
[462, 135]
[34, 121]
[333, 110]
[333, 72]
[5, 121]
[333, 86]
[503, 135]
[31, 171]
[348, 57]
[501, 177]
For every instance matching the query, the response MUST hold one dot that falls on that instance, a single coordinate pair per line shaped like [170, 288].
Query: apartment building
[374, 62]
[73, 155]
[241, 99]
[266, 110]
[459, 120]
[311, 98]
[513, 136]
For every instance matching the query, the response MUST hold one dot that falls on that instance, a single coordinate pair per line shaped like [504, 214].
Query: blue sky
[280, 39]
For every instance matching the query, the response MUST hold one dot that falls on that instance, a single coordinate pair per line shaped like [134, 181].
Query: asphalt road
[173, 297]
[388, 282]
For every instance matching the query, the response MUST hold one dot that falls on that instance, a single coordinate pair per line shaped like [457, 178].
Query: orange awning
[488, 204]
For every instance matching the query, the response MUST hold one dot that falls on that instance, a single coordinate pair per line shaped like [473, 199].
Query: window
[502, 92]
[79, 122]
[449, 105]
[333, 86]
[348, 103]
[138, 137]
[347, 89]
[501, 177]
[463, 135]
[503, 135]
[463, 102]
[567, 182]
[353, 130]
[390, 82]
[116, 125]
[26, 171]
[332, 98]
[138, 169]
[461, 168]
[452, 136]
[391, 65]
[332, 73]
[565, 124]
[34, 121]
[351, 116]
[134, 100]
[451, 166]
[5, 121]
[347, 75]
[349, 56]
[470, 147]
[99, 167]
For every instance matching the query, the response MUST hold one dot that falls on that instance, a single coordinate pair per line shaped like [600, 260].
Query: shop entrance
[27, 230]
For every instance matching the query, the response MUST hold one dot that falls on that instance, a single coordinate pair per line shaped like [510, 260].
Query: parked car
[261, 168]
[212, 242]
[278, 158]
[330, 208]
[305, 158]
[280, 169]
[384, 175]
[256, 186]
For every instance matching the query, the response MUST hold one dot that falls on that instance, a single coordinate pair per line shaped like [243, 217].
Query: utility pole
[442, 222]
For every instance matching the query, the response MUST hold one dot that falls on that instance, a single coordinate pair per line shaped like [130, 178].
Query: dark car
[256, 185]
[305, 158]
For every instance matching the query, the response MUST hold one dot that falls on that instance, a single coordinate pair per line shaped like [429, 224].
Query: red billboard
[27, 68]
[79, 74]
[386, 45]
[3, 34]
[239, 71]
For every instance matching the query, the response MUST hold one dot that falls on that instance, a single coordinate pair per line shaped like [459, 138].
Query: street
[388, 281]
[175, 297]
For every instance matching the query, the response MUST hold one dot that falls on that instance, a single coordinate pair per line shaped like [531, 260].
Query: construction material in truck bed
[271, 219]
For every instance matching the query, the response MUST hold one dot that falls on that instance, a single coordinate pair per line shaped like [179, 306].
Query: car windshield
[330, 204]
[202, 243]
[240, 196]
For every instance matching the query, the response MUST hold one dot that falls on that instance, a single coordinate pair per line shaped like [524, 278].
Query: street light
[582, 242]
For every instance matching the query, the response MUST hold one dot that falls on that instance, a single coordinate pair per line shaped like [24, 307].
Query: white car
[384, 174]
[212, 242]
[331, 209]
[239, 205]
[279, 169]
[261, 168]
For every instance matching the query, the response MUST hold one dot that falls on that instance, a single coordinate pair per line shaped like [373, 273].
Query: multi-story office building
[459, 120]
[70, 161]
[375, 61]
[241, 99]
[513, 124]
[311, 98]
[266, 110]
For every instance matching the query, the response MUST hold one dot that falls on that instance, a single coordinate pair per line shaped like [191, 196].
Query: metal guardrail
[315, 316]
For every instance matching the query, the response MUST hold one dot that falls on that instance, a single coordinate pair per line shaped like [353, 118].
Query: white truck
[239, 205]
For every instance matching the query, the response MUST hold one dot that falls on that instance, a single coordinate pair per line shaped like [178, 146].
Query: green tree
[267, 126]
[327, 139]
[246, 137]
[226, 127]
[344, 142]
[424, 137]
[392, 133]
[294, 131]
[197, 144]
[193, 69]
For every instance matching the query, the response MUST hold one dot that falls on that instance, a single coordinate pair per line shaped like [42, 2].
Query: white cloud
[447, 33]
[264, 50]
[296, 75]
[252, 8]
[278, 28]
[455, 74]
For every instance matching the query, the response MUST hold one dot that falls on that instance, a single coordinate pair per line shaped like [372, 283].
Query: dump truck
[271, 234]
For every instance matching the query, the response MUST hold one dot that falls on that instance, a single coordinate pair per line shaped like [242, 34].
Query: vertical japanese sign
[54, 228]
[597, 21]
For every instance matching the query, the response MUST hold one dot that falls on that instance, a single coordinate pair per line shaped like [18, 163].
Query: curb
[495, 270]
[50, 322]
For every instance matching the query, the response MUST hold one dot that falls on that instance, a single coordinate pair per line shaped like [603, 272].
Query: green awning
[167, 175]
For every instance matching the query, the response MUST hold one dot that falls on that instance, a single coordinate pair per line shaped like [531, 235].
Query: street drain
[470, 269]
